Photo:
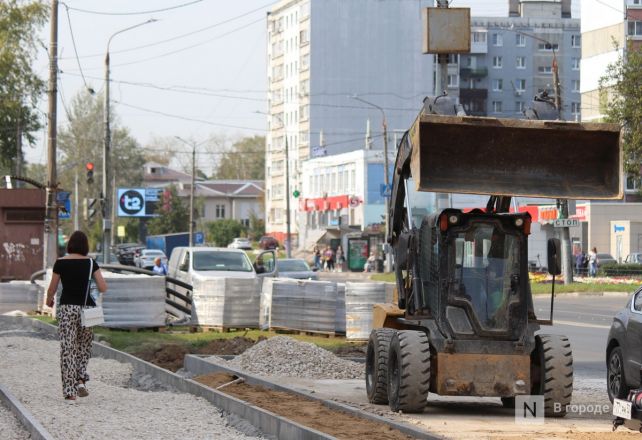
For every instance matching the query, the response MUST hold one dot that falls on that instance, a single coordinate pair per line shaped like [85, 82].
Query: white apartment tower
[322, 54]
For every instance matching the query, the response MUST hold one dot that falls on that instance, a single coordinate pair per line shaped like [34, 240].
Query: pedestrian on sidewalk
[159, 268]
[329, 259]
[340, 259]
[592, 262]
[317, 257]
[75, 340]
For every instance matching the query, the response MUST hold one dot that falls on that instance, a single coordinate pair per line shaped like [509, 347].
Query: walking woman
[75, 340]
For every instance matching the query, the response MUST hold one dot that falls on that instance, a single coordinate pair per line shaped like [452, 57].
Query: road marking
[580, 324]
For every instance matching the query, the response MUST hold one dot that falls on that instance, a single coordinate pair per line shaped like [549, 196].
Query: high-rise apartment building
[512, 59]
[609, 30]
[322, 54]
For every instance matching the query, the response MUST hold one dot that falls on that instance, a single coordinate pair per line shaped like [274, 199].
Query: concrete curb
[33, 426]
[266, 421]
[576, 294]
[199, 366]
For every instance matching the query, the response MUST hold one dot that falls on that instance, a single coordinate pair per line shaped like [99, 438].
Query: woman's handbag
[91, 316]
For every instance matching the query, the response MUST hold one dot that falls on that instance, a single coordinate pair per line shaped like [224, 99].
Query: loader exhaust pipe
[530, 158]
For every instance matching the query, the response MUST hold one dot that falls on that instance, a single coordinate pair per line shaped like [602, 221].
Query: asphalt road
[586, 320]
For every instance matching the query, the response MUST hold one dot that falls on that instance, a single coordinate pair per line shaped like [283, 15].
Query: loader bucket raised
[531, 158]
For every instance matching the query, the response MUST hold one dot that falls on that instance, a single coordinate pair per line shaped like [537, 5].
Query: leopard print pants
[75, 348]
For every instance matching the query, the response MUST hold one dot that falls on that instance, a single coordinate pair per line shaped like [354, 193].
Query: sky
[199, 70]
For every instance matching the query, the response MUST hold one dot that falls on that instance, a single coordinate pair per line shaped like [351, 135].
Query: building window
[305, 61]
[547, 70]
[303, 37]
[576, 40]
[497, 106]
[576, 63]
[520, 85]
[520, 40]
[479, 37]
[519, 106]
[635, 28]
[575, 108]
[633, 183]
[576, 85]
[498, 40]
[497, 62]
[548, 46]
[498, 85]
[453, 58]
[453, 80]
[305, 87]
[304, 112]
[520, 62]
[220, 211]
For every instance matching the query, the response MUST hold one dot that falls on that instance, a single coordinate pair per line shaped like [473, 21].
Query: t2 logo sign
[131, 203]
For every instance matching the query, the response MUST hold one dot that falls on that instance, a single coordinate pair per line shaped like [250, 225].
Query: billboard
[138, 202]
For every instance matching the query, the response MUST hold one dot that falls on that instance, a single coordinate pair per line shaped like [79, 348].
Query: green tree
[222, 232]
[622, 84]
[20, 87]
[245, 160]
[257, 227]
[174, 215]
[81, 141]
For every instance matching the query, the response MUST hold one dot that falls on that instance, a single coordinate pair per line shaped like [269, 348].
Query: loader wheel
[377, 365]
[408, 371]
[552, 362]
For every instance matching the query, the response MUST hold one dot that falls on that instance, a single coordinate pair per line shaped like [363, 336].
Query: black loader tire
[408, 371]
[377, 365]
[555, 382]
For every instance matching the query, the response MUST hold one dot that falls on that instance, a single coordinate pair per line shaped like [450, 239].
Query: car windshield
[154, 254]
[605, 257]
[486, 271]
[293, 266]
[222, 260]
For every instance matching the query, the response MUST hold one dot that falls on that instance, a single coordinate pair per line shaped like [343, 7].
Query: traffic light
[296, 193]
[90, 172]
[90, 209]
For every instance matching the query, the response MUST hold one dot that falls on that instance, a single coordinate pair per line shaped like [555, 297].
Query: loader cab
[475, 273]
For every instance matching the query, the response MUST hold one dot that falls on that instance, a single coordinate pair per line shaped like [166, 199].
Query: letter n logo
[529, 409]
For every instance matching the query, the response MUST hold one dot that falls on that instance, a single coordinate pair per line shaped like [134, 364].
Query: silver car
[147, 257]
[295, 268]
[240, 243]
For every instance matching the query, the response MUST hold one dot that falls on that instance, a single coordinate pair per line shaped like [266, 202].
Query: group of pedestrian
[586, 263]
[328, 259]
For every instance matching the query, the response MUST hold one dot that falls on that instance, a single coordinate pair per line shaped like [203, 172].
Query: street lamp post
[288, 223]
[386, 179]
[106, 188]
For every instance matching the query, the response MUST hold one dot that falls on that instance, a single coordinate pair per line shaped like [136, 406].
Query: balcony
[467, 72]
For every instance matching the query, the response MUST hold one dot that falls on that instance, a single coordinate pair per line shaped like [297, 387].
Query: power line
[73, 41]
[182, 5]
[178, 36]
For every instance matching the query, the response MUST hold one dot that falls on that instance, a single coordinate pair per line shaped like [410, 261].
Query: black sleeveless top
[74, 274]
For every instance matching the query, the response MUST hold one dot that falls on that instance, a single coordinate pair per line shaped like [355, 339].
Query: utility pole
[441, 86]
[76, 214]
[191, 197]
[50, 250]
[567, 254]
[105, 196]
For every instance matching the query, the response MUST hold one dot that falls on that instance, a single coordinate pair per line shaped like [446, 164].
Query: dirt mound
[168, 356]
[231, 346]
[171, 356]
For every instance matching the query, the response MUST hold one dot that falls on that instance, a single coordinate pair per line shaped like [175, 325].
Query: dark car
[266, 242]
[295, 268]
[603, 259]
[624, 349]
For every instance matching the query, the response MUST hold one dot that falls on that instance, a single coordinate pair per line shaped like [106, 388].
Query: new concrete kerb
[33, 426]
[269, 423]
[198, 366]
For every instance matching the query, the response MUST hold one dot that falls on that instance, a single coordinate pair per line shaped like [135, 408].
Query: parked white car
[240, 243]
[147, 256]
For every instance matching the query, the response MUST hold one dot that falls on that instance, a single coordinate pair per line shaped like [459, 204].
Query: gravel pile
[10, 427]
[113, 410]
[283, 356]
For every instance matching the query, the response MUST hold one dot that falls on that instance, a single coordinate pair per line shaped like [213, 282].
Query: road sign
[385, 190]
[64, 212]
[199, 238]
[62, 196]
[566, 223]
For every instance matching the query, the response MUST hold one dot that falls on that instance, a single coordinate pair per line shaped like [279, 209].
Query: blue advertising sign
[199, 238]
[138, 202]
